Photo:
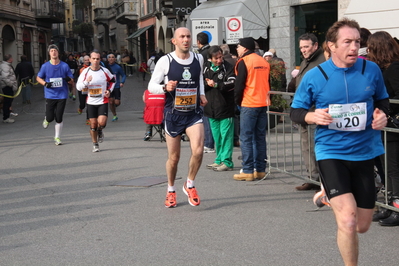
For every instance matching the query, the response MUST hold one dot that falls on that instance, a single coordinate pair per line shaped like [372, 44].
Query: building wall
[19, 16]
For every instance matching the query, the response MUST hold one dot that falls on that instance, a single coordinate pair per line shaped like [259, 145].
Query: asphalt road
[63, 205]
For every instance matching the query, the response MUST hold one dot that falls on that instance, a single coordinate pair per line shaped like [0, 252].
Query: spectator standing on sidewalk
[55, 76]
[203, 46]
[219, 91]
[227, 57]
[252, 94]
[8, 84]
[384, 51]
[351, 105]
[25, 72]
[312, 56]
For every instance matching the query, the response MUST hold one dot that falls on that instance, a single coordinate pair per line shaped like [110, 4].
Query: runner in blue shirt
[115, 98]
[55, 76]
[351, 105]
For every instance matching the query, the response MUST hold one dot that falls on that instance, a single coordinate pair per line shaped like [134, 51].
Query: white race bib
[348, 117]
[56, 82]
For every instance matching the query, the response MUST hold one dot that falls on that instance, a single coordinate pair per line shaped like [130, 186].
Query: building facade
[143, 26]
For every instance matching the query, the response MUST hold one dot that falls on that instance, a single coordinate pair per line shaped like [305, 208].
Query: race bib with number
[56, 82]
[348, 117]
[186, 99]
[95, 91]
[85, 90]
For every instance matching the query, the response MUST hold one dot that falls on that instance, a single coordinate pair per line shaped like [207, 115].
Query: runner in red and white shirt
[100, 82]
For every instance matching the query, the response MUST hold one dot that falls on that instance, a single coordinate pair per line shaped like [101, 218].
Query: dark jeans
[253, 122]
[7, 101]
[392, 150]
[208, 142]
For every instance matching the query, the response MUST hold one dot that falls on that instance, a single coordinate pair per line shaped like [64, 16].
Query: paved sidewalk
[60, 204]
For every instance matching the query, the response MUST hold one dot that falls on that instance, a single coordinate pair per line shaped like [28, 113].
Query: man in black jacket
[219, 90]
[312, 56]
[25, 72]
[203, 46]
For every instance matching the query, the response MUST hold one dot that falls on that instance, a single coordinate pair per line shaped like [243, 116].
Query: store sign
[234, 29]
[210, 27]
[183, 7]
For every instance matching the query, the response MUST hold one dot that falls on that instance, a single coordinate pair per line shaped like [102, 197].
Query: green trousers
[223, 134]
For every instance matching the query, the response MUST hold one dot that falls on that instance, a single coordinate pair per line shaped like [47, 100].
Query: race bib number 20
[348, 117]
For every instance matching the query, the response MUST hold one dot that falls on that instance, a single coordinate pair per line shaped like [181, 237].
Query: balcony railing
[103, 15]
[52, 11]
[127, 11]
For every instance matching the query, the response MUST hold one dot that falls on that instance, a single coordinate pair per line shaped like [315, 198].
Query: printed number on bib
[95, 91]
[56, 82]
[348, 117]
[186, 99]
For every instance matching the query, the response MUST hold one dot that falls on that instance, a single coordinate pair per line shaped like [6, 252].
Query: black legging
[7, 101]
[55, 110]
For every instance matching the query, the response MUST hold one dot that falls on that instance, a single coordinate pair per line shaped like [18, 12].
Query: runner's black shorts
[94, 111]
[55, 109]
[357, 177]
[116, 94]
[175, 124]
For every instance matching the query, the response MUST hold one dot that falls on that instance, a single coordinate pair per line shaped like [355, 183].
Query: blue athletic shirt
[118, 73]
[56, 74]
[344, 85]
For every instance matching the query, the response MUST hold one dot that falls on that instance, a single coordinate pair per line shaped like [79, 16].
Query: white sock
[171, 188]
[190, 183]
[58, 129]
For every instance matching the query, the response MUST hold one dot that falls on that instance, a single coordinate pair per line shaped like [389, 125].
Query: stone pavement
[60, 204]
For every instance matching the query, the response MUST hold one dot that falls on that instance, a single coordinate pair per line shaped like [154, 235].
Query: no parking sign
[233, 29]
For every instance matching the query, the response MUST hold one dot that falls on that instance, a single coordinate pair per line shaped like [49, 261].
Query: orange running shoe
[87, 121]
[320, 198]
[170, 201]
[192, 195]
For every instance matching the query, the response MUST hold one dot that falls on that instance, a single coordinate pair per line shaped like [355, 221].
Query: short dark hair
[308, 37]
[364, 35]
[332, 33]
[95, 51]
[202, 37]
[7, 57]
[225, 48]
[24, 58]
[214, 49]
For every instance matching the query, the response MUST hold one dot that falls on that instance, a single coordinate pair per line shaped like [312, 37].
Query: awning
[255, 14]
[375, 15]
[138, 32]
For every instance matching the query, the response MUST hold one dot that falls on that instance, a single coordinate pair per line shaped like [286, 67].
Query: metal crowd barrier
[284, 149]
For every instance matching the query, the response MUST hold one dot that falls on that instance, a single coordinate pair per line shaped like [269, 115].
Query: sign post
[234, 29]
